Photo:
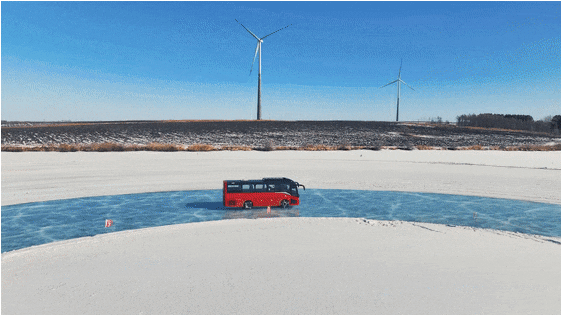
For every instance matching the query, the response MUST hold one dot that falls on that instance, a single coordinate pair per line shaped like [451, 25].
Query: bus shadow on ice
[261, 213]
[207, 205]
[241, 213]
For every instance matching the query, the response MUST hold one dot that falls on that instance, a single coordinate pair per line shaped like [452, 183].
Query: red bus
[265, 192]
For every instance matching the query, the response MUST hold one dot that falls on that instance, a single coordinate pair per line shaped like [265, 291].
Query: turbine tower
[398, 81]
[258, 48]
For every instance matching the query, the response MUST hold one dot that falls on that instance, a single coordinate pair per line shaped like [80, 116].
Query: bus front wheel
[248, 205]
[284, 203]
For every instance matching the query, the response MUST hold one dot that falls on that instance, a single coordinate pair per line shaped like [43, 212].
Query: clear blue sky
[85, 61]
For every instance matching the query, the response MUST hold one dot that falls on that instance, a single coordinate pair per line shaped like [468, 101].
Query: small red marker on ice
[108, 223]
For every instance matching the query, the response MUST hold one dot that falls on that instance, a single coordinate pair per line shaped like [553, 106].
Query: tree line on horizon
[511, 122]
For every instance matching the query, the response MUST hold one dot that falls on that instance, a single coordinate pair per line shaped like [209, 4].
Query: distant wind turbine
[399, 81]
[258, 48]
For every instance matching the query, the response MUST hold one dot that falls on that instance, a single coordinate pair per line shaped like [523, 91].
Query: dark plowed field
[258, 134]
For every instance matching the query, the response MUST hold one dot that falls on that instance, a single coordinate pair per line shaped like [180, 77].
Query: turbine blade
[277, 31]
[247, 29]
[253, 61]
[400, 71]
[389, 84]
[407, 85]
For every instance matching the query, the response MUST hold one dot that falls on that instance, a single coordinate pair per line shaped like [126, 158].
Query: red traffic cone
[108, 223]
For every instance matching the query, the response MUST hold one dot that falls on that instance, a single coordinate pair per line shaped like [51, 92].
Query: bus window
[271, 187]
[246, 187]
[233, 188]
[259, 187]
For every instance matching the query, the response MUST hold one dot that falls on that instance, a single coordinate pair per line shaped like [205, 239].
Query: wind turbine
[398, 81]
[258, 48]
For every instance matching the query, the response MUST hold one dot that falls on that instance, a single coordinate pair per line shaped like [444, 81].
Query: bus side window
[233, 188]
[246, 187]
[259, 187]
[271, 187]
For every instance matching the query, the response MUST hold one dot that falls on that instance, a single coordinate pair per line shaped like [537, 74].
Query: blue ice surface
[30, 224]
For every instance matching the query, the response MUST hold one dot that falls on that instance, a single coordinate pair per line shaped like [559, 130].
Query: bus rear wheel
[284, 203]
[247, 205]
